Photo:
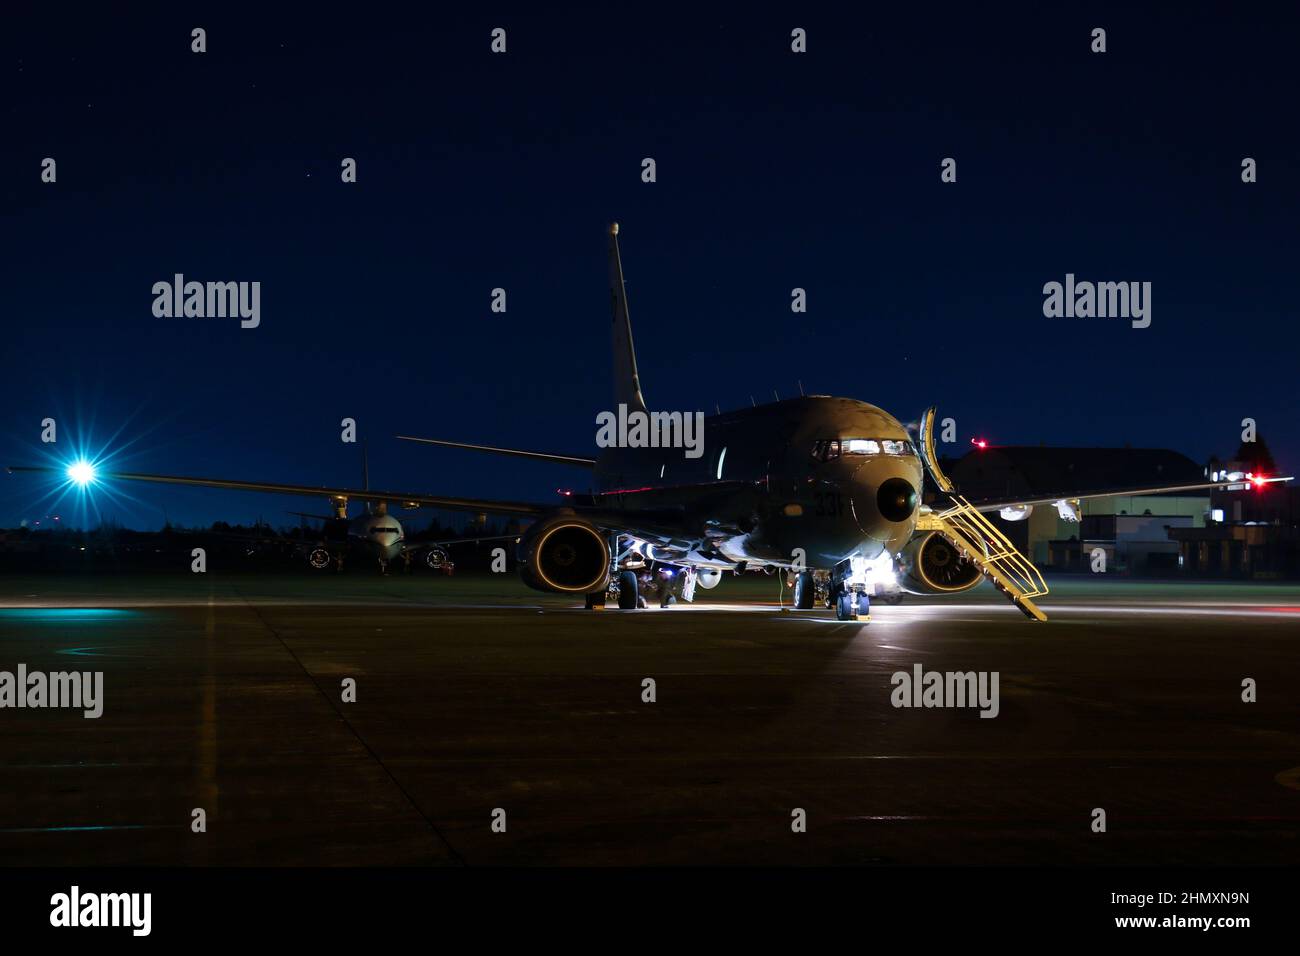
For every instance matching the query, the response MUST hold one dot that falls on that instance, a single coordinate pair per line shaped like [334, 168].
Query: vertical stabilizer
[627, 384]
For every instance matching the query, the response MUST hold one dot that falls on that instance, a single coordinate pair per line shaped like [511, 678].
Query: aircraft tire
[628, 591]
[864, 605]
[844, 606]
[805, 590]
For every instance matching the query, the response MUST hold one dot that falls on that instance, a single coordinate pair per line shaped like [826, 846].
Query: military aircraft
[373, 535]
[825, 489]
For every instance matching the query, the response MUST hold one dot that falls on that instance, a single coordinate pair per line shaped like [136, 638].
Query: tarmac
[480, 702]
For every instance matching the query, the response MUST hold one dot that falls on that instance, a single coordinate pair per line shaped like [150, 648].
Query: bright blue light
[81, 472]
[66, 615]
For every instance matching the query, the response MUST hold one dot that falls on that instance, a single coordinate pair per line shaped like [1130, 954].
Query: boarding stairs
[976, 538]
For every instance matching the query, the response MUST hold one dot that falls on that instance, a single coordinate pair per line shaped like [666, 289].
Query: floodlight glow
[81, 472]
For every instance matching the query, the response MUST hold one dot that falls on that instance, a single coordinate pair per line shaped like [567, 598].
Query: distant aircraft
[374, 535]
[826, 488]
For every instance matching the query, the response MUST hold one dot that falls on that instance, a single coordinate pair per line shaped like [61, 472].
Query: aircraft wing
[516, 452]
[482, 537]
[999, 504]
[392, 497]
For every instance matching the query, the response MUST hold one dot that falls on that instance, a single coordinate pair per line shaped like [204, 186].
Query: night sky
[775, 170]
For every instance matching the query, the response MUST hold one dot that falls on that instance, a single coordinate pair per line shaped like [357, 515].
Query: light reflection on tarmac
[225, 694]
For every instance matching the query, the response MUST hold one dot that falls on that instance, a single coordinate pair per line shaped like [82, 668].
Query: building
[1133, 531]
[1251, 532]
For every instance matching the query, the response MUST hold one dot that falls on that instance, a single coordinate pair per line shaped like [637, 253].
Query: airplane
[825, 489]
[374, 535]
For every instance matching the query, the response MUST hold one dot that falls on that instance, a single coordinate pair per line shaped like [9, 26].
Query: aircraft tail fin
[627, 384]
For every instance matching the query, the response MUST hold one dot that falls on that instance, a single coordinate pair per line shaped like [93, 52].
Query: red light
[1258, 480]
[979, 443]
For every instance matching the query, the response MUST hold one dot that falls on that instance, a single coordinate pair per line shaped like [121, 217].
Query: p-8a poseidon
[825, 489]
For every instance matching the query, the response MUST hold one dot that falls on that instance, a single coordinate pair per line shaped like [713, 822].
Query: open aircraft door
[928, 456]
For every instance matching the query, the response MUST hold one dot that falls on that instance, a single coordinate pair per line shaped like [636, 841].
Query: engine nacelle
[930, 564]
[566, 554]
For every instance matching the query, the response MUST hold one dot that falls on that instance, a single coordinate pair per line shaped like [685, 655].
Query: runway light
[81, 472]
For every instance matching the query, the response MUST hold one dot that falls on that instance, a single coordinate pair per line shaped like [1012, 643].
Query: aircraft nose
[886, 498]
[896, 499]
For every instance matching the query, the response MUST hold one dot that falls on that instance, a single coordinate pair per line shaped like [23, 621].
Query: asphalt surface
[224, 693]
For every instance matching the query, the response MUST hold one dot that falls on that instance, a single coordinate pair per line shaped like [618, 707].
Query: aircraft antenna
[365, 470]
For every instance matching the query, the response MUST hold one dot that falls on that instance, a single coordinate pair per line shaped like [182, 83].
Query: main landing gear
[629, 597]
[805, 591]
[637, 586]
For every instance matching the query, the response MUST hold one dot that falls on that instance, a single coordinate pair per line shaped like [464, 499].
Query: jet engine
[930, 564]
[564, 553]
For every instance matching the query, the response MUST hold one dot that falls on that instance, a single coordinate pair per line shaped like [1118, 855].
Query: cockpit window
[826, 450]
[832, 448]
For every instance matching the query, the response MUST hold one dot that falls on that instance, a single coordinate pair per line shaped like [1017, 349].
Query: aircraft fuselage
[771, 488]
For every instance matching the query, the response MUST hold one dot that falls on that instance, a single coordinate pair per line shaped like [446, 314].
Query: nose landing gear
[848, 591]
[852, 605]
